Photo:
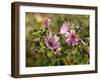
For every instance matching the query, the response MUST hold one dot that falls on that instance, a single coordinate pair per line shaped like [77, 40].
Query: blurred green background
[34, 39]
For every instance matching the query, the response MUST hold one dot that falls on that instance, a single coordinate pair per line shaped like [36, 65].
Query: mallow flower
[64, 28]
[72, 38]
[52, 41]
[47, 21]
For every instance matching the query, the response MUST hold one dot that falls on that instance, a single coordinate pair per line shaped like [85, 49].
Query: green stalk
[49, 60]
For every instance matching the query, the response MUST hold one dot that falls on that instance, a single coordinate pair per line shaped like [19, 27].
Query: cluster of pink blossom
[71, 36]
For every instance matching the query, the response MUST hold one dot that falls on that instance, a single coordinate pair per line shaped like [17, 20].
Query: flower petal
[68, 41]
[74, 43]
[68, 34]
[72, 38]
[64, 28]
[56, 38]
[52, 42]
[73, 31]
[49, 36]
[47, 22]
[76, 38]
[56, 45]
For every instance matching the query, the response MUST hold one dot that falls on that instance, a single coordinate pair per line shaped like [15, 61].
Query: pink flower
[52, 42]
[64, 28]
[47, 22]
[72, 38]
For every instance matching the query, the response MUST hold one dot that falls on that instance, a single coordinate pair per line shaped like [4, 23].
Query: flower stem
[49, 60]
[83, 42]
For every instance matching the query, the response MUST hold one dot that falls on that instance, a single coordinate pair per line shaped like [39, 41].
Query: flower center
[50, 42]
[72, 36]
